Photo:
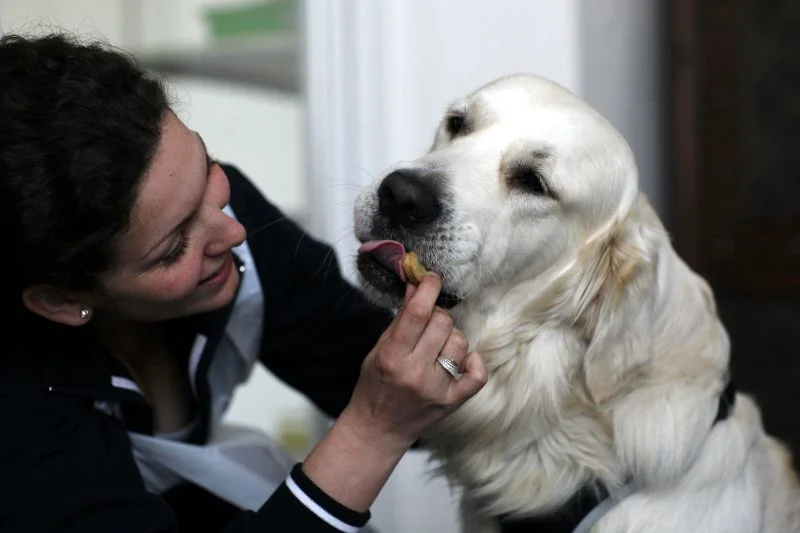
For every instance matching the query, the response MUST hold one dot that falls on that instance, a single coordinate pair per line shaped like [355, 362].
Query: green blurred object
[254, 19]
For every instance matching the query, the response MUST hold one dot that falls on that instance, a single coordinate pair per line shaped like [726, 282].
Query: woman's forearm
[351, 464]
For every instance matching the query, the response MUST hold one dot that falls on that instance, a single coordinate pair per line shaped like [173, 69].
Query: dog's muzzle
[407, 214]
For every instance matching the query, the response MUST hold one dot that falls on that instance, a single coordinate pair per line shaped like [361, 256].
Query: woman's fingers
[415, 314]
[455, 349]
[474, 377]
[433, 339]
[410, 290]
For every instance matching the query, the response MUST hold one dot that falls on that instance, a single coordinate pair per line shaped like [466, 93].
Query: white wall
[448, 52]
[89, 18]
[259, 131]
[621, 75]
[146, 24]
[380, 74]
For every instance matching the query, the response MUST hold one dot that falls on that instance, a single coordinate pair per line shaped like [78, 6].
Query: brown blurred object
[413, 268]
[734, 117]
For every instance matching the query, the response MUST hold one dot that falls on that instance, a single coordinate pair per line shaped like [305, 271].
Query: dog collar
[587, 506]
[726, 402]
[578, 514]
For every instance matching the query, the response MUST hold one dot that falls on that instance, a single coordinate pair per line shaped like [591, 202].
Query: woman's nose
[226, 233]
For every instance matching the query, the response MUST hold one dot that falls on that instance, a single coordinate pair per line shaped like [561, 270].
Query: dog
[608, 365]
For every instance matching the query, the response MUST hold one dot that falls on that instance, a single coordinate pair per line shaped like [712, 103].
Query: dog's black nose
[405, 199]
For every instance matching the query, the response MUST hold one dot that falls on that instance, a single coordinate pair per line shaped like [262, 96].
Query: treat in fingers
[413, 268]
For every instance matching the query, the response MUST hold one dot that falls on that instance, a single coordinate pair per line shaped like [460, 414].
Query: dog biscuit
[413, 268]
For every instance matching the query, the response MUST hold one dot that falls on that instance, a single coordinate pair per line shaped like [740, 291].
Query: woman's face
[175, 259]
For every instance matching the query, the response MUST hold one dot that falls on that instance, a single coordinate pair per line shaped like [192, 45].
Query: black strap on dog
[564, 520]
[726, 402]
[567, 517]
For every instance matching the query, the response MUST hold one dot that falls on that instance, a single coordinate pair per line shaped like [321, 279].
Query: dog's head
[521, 174]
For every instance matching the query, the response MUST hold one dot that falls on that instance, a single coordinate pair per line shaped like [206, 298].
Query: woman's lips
[220, 275]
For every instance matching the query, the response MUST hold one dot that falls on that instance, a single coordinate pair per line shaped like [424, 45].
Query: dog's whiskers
[266, 226]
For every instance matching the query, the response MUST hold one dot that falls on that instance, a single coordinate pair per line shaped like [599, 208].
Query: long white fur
[605, 352]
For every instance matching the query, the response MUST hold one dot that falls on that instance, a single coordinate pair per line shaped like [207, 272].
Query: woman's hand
[403, 389]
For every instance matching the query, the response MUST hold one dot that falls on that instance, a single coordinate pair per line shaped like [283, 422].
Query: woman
[141, 281]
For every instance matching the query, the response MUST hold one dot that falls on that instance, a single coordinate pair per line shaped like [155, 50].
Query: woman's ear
[56, 305]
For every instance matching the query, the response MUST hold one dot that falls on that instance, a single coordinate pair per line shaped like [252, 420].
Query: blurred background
[312, 99]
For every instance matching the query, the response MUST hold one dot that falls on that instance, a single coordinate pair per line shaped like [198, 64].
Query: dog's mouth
[388, 254]
[380, 262]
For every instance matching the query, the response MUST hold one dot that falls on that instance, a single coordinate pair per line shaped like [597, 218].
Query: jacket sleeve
[299, 505]
[317, 327]
[67, 467]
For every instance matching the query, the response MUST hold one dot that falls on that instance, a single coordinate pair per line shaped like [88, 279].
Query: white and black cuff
[323, 506]
[299, 504]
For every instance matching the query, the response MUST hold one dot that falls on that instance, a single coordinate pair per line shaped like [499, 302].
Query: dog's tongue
[388, 253]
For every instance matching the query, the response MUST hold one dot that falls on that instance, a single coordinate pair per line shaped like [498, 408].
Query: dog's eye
[455, 123]
[528, 179]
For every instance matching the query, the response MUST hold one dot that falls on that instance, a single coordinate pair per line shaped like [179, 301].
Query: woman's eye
[178, 250]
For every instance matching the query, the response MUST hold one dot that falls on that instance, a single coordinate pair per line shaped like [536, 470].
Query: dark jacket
[66, 465]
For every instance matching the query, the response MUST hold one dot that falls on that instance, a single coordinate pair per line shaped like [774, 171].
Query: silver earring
[85, 312]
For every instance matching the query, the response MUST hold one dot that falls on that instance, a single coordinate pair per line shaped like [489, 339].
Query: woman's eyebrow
[205, 152]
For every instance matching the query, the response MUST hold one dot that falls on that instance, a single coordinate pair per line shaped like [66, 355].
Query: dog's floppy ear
[617, 321]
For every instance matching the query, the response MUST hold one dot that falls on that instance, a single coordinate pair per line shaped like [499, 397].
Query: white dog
[608, 364]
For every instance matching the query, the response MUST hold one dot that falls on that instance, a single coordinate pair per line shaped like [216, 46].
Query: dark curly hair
[80, 125]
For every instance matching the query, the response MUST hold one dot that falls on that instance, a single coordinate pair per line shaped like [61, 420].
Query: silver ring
[450, 365]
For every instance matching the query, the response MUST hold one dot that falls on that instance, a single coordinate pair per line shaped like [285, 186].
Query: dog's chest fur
[534, 399]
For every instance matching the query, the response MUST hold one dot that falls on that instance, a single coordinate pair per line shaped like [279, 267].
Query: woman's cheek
[182, 280]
